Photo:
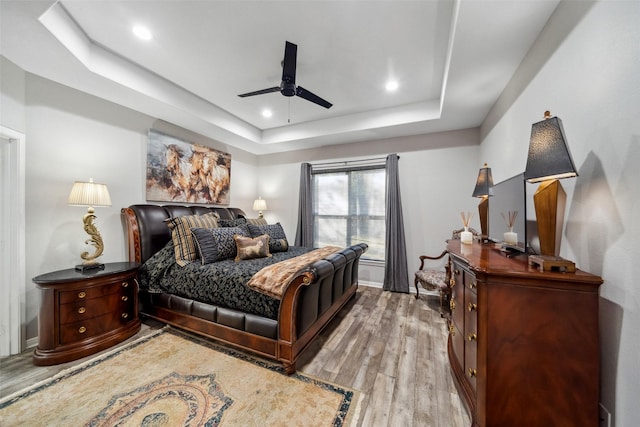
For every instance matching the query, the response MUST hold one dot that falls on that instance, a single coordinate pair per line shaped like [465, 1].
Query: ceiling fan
[288, 85]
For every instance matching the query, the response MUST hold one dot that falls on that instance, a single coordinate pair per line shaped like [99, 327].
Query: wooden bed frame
[315, 295]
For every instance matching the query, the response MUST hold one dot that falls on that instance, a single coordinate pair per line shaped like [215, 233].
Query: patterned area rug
[173, 379]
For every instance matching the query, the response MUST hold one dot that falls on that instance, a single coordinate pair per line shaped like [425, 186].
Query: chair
[438, 279]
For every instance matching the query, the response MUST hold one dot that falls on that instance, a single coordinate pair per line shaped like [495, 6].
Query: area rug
[175, 379]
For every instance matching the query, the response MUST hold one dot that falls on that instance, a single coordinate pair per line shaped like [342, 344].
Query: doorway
[12, 241]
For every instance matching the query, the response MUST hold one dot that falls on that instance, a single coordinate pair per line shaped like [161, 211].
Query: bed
[279, 328]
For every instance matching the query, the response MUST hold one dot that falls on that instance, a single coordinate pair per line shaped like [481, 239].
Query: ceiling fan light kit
[288, 85]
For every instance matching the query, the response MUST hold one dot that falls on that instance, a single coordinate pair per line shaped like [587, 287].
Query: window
[349, 208]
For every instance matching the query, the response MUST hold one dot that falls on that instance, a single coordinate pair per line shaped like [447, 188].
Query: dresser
[523, 344]
[82, 313]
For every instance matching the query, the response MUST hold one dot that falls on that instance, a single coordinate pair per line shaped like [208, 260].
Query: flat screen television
[509, 196]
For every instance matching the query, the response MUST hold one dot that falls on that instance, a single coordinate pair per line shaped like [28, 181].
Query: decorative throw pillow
[231, 222]
[183, 242]
[277, 238]
[256, 221]
[248, 248]
[216, 244]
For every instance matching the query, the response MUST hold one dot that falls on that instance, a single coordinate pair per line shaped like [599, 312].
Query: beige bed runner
[273, 279]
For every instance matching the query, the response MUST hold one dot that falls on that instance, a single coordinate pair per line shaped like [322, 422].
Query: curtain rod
[347, 162]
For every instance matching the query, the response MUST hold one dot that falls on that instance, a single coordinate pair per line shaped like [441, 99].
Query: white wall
[437, 176]
[12, 95]
[73, 136]
[592, 82]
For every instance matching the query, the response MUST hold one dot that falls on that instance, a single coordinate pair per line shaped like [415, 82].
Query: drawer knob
[82, 329]
[452, 282]
[452, 330]
[125, 315]
[124, 298]
[81, 310]
[473, 307]
[452, 305]
[125, 284]
[82, 294]
[472, 337]
[472, 372]
[473, 285]
[456, 271]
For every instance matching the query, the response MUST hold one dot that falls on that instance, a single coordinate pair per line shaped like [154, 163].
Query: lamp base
[483, 213]
[549, 201]
[89, 267]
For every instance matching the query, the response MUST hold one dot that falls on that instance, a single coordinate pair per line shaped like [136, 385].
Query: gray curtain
[304, 233]
[396, 276]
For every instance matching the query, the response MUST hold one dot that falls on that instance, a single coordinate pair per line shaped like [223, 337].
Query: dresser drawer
[83, 310]
[96, 291]
[457, 297]
[78, 331]
[457, 339]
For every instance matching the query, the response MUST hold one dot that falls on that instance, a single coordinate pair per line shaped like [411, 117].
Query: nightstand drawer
[78, 331]
[96, 291]
[82, 310]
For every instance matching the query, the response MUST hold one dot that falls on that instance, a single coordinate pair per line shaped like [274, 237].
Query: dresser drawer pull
[452, 282]
[472, 337]
[472, 372]
[452, 305]
[125, 315]
[82, 329]
[82, 294]
[125, 284]
[81, 310]
[124, 298]
[473, 285]
[452, 330]
[473, 307]
[456, 271]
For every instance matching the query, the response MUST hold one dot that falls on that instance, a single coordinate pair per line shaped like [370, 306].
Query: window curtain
[304, 233]
[396, 276]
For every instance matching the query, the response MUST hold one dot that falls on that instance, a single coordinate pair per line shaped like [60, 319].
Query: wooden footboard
[309, 303]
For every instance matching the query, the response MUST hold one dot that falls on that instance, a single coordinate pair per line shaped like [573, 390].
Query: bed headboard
[146, 232]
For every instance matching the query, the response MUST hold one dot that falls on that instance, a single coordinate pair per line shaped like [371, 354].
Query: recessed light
[142, 32]
[266, 113]
[391, 86]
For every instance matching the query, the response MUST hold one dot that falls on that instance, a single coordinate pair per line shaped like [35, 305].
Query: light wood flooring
[390, 346]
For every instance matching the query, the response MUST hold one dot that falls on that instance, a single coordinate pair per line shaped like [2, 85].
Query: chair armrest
[424, 257]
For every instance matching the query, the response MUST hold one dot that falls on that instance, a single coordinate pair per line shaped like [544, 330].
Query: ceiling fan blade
[289, 63]
[309, 96]
[260, 92]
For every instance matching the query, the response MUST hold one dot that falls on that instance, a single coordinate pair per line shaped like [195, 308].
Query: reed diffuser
[510, 238]
[466, 237]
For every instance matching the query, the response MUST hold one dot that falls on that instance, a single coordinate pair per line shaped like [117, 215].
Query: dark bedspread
[222, 283]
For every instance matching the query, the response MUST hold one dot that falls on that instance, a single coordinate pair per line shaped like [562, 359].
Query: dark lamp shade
[549, 156]
[484, 183]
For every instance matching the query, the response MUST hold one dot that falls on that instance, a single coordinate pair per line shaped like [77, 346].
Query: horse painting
[178, 171]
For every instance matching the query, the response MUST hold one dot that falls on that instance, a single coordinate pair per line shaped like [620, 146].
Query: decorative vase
[466, 237]
[511, 238]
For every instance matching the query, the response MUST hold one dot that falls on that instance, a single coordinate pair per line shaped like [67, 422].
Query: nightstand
[82, 313]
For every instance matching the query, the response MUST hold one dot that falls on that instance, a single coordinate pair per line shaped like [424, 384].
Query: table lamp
[484, 191]
[260, 205]
[90, 194]
[548, 161]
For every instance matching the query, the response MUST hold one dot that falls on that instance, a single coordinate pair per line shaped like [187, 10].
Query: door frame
[12, 264]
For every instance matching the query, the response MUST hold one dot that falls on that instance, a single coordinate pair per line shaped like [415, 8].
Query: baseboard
[31, 343]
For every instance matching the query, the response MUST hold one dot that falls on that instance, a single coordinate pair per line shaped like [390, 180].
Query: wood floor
[389, 346]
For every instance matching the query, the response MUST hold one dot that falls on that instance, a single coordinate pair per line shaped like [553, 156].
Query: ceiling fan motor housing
[287, 89]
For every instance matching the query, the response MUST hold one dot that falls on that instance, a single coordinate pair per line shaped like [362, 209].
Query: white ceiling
[452, 59]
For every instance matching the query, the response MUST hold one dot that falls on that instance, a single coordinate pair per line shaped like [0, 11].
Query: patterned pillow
[216, 244]
[277, 238]
[231, 222]
[248, 248]
[256, 221]
[183, 242]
